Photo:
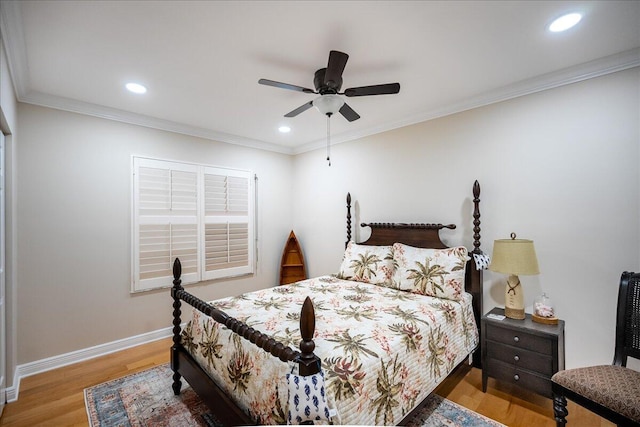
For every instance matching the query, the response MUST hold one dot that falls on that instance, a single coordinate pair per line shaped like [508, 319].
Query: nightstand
[521, 352]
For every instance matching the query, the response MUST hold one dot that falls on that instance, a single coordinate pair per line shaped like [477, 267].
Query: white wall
[74, 223]
[559, 167]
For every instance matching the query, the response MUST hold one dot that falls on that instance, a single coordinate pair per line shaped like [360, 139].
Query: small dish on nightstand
[543, 311]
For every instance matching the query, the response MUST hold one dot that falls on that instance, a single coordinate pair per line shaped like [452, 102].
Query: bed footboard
[184, 366]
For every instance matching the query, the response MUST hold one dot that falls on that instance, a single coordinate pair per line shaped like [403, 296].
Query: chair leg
[560, 410]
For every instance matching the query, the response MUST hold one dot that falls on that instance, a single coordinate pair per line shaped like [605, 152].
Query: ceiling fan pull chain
[329, 139]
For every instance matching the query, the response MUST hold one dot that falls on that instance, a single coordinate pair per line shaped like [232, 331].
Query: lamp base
[514, 313]
[514, 299]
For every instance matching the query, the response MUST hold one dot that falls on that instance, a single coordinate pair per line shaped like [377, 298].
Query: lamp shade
[514, 256]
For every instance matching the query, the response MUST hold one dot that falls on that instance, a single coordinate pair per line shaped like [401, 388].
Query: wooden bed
[185, 366]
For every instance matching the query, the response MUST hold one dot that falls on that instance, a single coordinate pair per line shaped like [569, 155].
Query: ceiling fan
[328, 82]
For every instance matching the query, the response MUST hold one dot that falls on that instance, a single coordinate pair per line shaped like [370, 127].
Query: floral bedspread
[382, 350]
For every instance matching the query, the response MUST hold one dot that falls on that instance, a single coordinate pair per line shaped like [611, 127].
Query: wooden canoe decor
[292, 267]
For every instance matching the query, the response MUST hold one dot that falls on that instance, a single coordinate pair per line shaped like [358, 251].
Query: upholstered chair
[611, 391]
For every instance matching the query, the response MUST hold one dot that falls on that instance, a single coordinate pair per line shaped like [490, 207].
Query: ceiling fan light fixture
[328, 104]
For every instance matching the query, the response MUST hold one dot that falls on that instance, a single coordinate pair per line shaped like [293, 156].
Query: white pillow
[435, 272]
[369, 264]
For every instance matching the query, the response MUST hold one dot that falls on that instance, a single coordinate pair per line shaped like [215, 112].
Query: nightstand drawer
[519, 339]
[511, 374]
[521, 358]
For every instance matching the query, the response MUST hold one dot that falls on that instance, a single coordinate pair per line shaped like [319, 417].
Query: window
[200, 214]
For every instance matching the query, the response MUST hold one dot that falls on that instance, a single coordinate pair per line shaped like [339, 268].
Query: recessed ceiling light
[284, 129]
[565, 22]
[136, 88]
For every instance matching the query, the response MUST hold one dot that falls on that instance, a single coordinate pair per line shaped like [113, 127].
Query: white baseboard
[54, 362]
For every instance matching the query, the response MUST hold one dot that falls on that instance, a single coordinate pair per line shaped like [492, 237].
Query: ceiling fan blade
[348, 112]
[335, 67]
[285, 86]
[300, 109]
[385, 89]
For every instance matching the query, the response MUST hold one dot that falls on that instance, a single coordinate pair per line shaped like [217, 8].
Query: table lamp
[514, 257]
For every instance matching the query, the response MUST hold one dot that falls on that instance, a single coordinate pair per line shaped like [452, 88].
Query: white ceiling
[201, 60]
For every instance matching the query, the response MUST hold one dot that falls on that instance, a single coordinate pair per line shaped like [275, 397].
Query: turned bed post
[476, 218]
[348, 220]
[308, 362]
[177, 286]
[475, 273]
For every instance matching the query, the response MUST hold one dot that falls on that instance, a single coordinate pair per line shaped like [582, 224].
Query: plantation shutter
[165, 222]
[200, 214]
[228, 223]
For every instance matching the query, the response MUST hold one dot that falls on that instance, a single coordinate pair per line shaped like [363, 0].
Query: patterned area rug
[146, 399]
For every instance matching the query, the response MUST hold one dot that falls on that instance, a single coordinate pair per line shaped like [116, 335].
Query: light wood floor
[56, 398]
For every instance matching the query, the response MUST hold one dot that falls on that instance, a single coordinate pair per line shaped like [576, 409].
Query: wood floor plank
[56, 398]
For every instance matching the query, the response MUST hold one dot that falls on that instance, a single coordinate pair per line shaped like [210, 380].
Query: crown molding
[72, 105]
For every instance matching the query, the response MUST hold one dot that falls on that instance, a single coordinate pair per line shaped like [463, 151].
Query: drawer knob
[516, 377]
[516, 338]
[516, 358]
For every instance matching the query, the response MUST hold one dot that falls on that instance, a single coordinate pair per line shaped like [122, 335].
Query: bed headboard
[428, 236]
[418, 235]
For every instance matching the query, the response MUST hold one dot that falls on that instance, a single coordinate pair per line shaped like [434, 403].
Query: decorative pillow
[435, 272]
[307, 400]
[369, 264]
[482, 261]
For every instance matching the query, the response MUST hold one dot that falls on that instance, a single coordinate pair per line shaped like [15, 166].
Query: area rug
[146, 399]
